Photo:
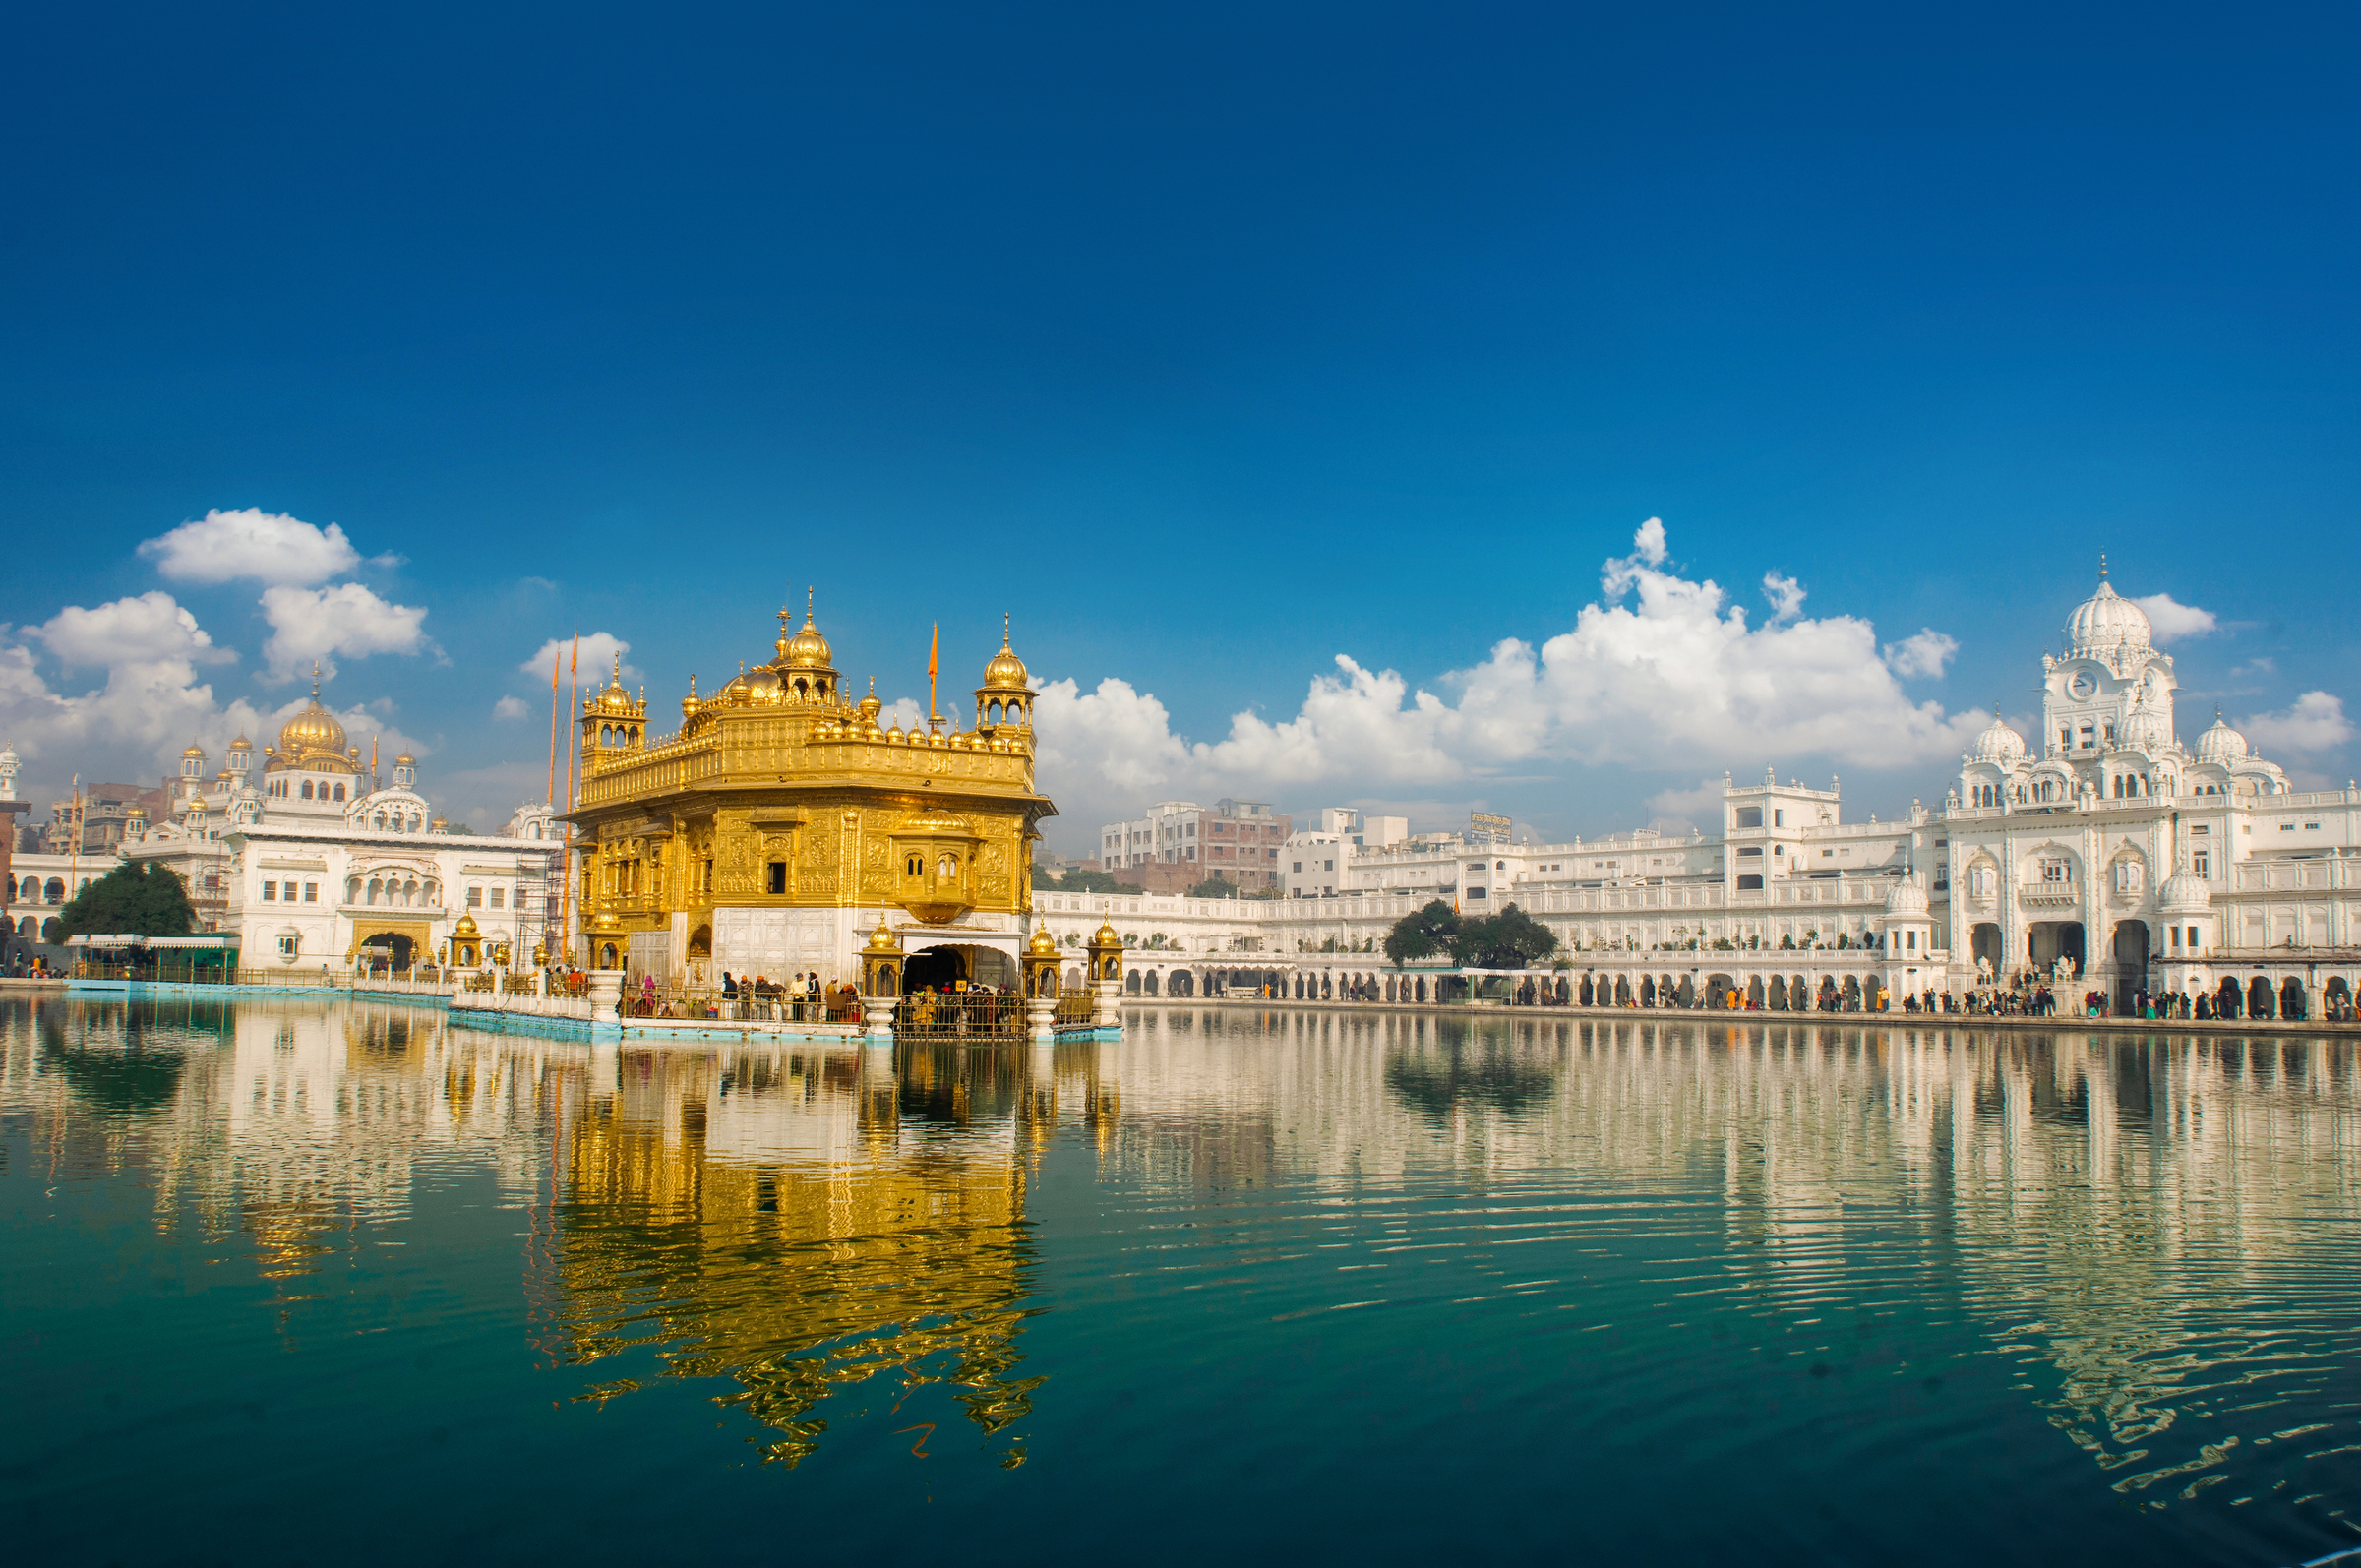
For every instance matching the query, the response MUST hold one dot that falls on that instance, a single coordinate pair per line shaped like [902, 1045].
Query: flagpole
[554, 661]
[573, 692]
[933, 647]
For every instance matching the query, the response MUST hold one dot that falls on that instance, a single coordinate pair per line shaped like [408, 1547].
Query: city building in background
[1238, 841]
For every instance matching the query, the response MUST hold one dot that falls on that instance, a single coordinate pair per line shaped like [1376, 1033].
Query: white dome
[2000, 743]
[1906, 898]
[2221, 744]
[2144, 726]
[2106, 622]
[2184, 894]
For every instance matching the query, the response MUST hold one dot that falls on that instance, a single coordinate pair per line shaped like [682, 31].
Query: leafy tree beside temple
[137, 898]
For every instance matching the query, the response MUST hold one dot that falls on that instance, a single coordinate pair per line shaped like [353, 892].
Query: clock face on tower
[2082, 686]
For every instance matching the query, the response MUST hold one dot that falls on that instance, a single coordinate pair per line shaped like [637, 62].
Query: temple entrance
[1984, 943]
[933, 968]
[2131, 962]
[388, 950]
[2050, 941]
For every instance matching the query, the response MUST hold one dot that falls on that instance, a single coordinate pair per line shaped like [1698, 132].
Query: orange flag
[932, 648]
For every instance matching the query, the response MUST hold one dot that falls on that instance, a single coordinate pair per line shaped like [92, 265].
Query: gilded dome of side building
[311, 740]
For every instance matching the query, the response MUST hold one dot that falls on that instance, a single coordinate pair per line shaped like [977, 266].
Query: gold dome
[1005, 672]
[194, 751]
[312, 739]
[882, 939]
[807, 650]
[1043, 945]
[615, 699]
[465, 930]
[1105, 938]
[241, 743]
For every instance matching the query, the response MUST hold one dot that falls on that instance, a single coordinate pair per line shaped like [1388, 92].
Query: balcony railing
[972, 1015]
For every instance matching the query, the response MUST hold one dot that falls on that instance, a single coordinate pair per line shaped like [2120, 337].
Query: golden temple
[781, 816]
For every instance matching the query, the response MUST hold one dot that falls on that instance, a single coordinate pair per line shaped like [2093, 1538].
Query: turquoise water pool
[314, 1282]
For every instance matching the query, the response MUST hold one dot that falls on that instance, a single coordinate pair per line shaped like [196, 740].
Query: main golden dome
[807, 650]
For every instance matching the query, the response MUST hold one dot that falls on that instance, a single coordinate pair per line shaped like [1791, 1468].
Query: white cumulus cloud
[1661, 672]
[131, 726]
[1924, 654]
[307, 624]
[1786, 595]
[510, 707]
[2314, 722]
[1678, 809]
[141, 630]
[270, 547]
[600, 652]
[2170, 620]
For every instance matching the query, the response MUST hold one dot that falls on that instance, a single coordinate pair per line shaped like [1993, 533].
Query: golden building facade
[783, 821]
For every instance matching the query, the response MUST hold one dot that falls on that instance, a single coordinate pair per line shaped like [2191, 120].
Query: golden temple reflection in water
[795, 1281]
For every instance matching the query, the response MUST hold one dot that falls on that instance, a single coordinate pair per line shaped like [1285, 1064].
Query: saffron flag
[933, 647]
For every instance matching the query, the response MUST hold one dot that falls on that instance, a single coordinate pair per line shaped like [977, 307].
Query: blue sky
[1211, 344]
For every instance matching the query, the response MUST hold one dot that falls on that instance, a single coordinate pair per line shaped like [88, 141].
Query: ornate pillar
[1106, 976]
[1041, 971]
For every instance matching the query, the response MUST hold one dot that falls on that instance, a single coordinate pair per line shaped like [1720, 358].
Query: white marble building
[309, 864]
[2111, 857]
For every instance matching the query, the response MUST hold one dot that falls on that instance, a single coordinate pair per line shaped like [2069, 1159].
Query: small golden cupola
[804, 671]
[612, 722]
[1006, 696]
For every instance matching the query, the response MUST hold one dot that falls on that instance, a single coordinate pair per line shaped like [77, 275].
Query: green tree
[1214, 888]
[1422, 934]
[1510, 939]
[138, 897]
[1077, 881]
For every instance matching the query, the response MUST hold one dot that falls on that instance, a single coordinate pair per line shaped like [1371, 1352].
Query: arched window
[307, 789]
[433, 891]
[53, 891]
[339, 791]
[352, 889]
[947, 867]
[915, 866]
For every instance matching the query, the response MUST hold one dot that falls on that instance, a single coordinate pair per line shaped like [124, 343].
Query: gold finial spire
[2103, 565]
[784, 612]
[314, 680]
